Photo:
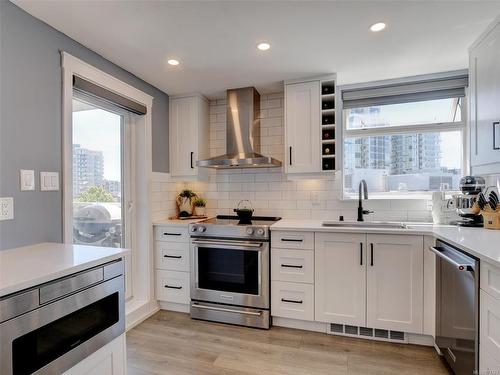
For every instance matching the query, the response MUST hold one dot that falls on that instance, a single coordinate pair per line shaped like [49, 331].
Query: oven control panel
[236, 231]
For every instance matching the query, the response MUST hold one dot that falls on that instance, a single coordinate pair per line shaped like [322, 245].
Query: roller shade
[89, 88]
[443, 88]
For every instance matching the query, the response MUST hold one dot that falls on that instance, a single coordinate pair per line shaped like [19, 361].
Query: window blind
[89, 88]
[430, 89]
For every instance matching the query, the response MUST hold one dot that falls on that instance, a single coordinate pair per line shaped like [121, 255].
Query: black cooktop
[234, 220]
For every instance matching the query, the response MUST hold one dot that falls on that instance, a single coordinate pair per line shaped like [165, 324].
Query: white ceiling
[215, 41]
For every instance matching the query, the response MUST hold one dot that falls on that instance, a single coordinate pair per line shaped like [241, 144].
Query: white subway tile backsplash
[268, 188]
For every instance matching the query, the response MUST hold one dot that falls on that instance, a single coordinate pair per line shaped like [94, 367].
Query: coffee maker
[470, 186]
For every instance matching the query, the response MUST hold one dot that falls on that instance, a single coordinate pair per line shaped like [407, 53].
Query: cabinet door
[108, 360]
[183, 136]
[489, 339]
[302, 127]
[395, 282]
[340, 278]
[485, 96]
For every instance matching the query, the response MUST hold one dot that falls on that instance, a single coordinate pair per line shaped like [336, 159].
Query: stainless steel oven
[50, 328]
[230, 281]
[457, 304]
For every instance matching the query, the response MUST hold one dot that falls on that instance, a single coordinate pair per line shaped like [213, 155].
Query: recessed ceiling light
[173, 62]
[379, 26]
[263, 46]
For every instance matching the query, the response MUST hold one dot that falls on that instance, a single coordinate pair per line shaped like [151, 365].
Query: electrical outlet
[6, 208]
[315, 198]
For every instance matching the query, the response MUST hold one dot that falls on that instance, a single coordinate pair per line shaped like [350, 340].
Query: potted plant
[199, 206]
[185, 202]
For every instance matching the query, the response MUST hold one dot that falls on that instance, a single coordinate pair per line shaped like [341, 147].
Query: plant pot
[185, 206]
[199, 211]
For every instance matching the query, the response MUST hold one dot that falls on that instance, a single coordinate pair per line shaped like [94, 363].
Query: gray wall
[30, 120]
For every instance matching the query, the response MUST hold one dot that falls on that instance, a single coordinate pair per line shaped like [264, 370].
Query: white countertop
[482, 243]
[177, 222]
[25, 267]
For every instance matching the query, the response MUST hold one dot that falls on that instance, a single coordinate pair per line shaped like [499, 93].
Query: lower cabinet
[108, 360]
[489, 337]
[340, 278]
[292, 300]
[394, 283]
[173, 286]
[369, 280]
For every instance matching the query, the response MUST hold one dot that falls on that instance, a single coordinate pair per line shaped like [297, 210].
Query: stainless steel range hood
[242, 134]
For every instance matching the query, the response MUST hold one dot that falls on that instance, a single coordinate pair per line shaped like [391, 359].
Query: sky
[99, 130]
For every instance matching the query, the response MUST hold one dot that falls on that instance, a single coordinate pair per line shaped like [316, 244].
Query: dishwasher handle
[456, 258]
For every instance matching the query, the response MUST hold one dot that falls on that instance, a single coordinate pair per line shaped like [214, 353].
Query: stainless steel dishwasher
[457, 307]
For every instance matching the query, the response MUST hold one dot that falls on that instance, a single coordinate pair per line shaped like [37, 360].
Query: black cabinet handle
[192, 153]
[290, 300]
[361, 253]
[173, 256]
[290, 158]
[291, 266]
[173, 287]
[371, 254]
[291, 240]
[172, 234]
[496, 125]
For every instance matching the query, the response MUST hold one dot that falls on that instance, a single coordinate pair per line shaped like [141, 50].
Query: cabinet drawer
[172, 286]
[489, 337]
[172, 234]
[173, 256]
[292, 300]
[490, 279]
[292, 265]
[293, 240]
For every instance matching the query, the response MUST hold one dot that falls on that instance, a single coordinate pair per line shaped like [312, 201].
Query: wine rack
[328, 125]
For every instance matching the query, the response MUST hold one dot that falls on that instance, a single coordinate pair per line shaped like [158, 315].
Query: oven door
[231, 272]
[54, 337]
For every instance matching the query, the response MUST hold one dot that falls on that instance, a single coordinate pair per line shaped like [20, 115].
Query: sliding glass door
[102, 174]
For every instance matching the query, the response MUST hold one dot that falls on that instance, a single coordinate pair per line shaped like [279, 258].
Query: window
[404, 139]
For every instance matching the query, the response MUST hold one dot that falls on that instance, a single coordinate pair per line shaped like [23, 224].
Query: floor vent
[351, 330]
[367, 333]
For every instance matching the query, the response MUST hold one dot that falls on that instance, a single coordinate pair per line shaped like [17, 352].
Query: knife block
[491, 218]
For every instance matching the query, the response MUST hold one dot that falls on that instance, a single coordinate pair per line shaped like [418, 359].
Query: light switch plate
[6, 209]
[27, 179]
[49, 181]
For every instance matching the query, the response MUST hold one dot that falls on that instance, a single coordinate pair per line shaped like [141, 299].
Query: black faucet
[362, 212]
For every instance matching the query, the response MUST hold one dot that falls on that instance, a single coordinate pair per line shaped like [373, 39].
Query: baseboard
[300, 324]
[179, 307]
[138, 312]
[416, 339]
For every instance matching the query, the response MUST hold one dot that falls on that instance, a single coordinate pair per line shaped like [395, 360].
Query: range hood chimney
[242, 134]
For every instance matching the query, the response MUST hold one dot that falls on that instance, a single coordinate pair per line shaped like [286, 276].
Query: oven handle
[460, 266]
[226, 310]
[228, 244]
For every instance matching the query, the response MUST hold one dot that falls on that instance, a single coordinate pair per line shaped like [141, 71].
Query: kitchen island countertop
[28, 266]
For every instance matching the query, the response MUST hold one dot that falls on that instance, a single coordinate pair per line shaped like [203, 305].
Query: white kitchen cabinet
[108, 360]
[292, 265]
[340, 278]
[173, 277]
[302, 127]
[292, 300]
[489, 338]
[484, 93]
[189, 135]
[395, 282]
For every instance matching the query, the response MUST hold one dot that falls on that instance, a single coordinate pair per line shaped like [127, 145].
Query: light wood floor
[171, 343]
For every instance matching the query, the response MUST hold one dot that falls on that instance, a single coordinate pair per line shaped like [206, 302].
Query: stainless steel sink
[364, 224]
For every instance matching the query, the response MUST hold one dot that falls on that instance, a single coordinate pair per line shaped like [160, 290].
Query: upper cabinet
[484, 86]
[310, 126]
[188, 134]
